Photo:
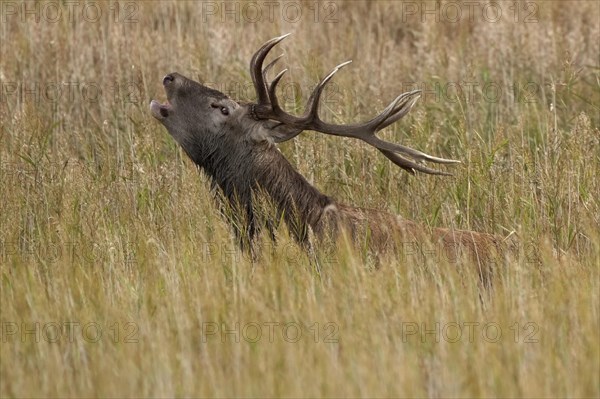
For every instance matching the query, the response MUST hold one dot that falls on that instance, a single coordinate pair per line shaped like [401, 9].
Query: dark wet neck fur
[242, 172]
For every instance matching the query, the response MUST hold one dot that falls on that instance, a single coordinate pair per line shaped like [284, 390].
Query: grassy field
[119, 278]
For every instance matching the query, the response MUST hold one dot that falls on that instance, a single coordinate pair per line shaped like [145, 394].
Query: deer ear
[278, 132]
[273, 132]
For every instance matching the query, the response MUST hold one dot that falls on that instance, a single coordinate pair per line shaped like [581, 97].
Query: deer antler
[267, 107]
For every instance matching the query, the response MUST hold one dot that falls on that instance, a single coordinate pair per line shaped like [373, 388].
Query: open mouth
[160, 111]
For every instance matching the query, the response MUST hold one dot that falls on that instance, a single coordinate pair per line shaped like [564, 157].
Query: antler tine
[269, 66]
[383, 145]
[392, 113]
[272, 96]
[312, 106]
[411, 166]
[256, 69]
[399, 108]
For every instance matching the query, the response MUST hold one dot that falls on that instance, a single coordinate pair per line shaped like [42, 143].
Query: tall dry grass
[118, 277]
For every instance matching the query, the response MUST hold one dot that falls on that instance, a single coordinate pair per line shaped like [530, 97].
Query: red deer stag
[234, 144]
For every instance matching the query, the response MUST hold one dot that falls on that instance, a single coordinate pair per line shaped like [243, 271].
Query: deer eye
[224, 110]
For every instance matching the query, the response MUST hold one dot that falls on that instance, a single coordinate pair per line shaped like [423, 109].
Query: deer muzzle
[160, 111]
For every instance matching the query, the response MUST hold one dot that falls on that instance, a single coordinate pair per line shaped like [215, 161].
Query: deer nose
[168, 79]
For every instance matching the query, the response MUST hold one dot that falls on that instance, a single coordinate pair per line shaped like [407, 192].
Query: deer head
[234, 142]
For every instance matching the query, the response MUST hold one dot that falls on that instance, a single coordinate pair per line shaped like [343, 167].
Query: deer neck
[243, 174]
[297, 201]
